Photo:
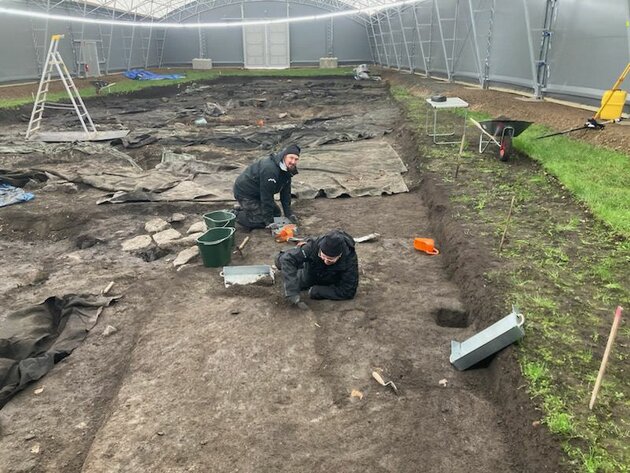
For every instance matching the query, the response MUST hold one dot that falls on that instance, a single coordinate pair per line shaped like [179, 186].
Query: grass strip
[566, 273]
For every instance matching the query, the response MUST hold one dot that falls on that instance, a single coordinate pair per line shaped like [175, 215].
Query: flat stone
[185, 256]
[137, 243]
[167, 236]
[109, 330]
[177, 218]
[180, 242]
[197, 227]
[156, 225]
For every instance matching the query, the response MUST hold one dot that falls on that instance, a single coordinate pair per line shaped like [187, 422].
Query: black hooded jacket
[338, 281]
[261, 180]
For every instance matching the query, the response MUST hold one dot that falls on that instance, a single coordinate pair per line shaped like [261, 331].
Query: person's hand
[293, 218]
[295, 301]
[273, 226]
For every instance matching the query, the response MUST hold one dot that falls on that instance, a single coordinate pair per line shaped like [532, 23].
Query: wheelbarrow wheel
[505, 148]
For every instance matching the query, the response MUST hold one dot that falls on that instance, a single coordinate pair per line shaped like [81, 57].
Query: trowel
[379, 379]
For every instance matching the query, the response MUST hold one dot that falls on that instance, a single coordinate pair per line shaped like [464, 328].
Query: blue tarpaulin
[141, 74]
[13, 195]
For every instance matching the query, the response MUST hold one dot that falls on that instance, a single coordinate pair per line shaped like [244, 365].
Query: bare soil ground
[203, 378]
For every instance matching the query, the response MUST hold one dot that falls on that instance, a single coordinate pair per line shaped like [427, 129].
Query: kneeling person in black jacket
[255, 187]
[327, 266]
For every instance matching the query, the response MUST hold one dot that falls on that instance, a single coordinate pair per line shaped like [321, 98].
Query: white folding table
[435, 107]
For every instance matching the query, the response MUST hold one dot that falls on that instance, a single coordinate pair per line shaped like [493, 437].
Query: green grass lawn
[598, 178]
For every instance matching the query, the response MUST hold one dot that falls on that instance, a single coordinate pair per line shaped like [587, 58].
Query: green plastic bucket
[219, 218]
[215, 246]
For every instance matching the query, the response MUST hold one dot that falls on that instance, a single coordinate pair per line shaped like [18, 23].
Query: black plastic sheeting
[34, 338]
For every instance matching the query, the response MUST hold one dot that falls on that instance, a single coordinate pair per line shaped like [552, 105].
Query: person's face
[290, 161]
[328, 260]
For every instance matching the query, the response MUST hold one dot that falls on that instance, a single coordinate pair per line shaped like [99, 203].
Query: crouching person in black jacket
[255, 187]
[326, 266]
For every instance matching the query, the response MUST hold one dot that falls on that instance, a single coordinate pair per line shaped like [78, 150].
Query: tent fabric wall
[20, 61]
[505, 46]
[489, 41]
[590, 47]
[308, 40]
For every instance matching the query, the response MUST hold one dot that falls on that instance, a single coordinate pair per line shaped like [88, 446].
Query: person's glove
[293, 218]
[274, 226]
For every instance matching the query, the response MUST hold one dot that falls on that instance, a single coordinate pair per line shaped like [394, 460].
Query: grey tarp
[354, 169]
[33, 339]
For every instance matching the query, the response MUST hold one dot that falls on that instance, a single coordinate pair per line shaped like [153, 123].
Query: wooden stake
[108, 288]
[507, 224]
[461, 150]
[602, 367]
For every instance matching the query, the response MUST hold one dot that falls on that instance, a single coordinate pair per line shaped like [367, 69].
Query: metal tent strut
[54, 61]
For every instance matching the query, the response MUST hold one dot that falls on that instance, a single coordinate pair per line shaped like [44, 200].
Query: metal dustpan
[260, 274]
[282, 221]
[490, 340]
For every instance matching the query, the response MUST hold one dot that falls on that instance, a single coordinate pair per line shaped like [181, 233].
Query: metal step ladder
[54, 62]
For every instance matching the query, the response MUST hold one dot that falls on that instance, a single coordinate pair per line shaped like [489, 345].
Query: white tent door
[89, 59]
[266, 46]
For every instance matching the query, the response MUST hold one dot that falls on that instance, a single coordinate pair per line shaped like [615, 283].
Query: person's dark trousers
[251, 215]
[306, 280]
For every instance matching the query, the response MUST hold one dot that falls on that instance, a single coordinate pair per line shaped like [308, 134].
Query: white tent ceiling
[159, 9]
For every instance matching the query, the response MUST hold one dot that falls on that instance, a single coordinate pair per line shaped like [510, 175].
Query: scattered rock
[443, 382]
[356, 393]
[235, 312]
[214, 109]
[35, 448]
[196, 228]
[283, 115]
[166, 236]
[180, 243]
[186, 256]
[176, 218]
[39, 277]
[156, 225]
[140, 242]
[109, 330]
[160, 433]
[86, 241]
[68, 188]
[30, 436]
[164, 99]
[38, 391]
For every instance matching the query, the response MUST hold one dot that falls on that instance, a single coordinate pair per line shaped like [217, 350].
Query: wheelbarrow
[500, 132]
